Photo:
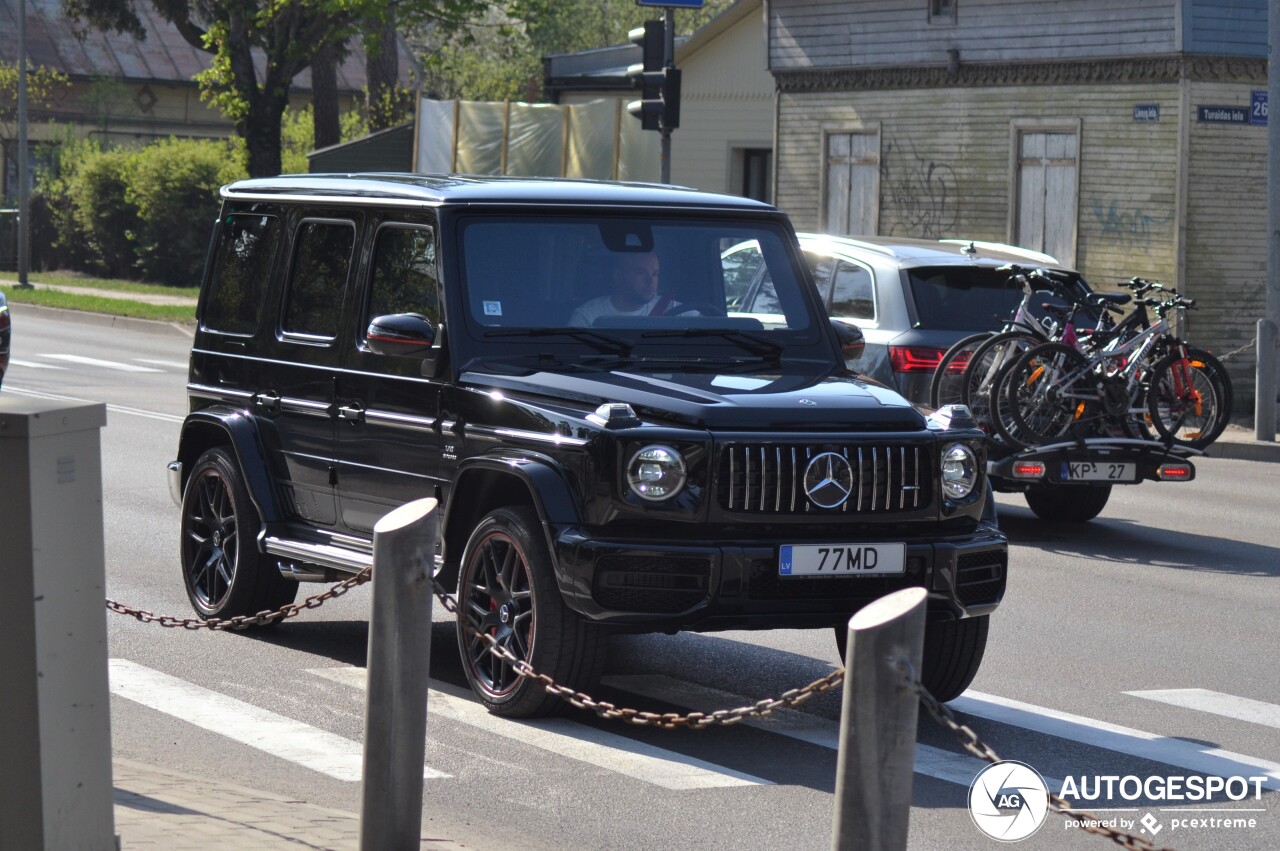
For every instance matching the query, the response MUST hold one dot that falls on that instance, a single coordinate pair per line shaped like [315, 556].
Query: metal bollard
[1264, 405]
[878, 724]
[395, 726]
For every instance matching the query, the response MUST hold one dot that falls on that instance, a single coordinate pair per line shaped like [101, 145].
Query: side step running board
[319, 555]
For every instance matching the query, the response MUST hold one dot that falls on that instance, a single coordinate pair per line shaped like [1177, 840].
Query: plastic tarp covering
[435, 137]
[535, 139]
[591, 139]
[640, 153]
[480, 126]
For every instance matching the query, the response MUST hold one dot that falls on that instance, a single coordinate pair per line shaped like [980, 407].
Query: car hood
[730, 401]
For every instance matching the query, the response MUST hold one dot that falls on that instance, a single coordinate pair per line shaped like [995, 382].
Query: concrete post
[55, 739]
[878, 725]
[395, 724]
[1264, 405]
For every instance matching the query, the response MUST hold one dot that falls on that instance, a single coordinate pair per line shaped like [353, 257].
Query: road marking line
[1201, 759]
[182, 365]
[638, 760]
[823, 732]
[1217, 703]
[105, 364]
[30, 364]
[243, 722]
[119, 409]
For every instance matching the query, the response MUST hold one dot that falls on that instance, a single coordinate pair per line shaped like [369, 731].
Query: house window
[942, 11]
[852, 183]
[1047, 192]
[757, 173]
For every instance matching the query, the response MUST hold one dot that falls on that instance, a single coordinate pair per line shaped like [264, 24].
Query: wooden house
[1126, 137]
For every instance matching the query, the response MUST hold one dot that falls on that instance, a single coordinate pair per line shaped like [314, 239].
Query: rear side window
[962, 298]
[852, 295]
[321, 260]
[242, 266]
[404, 273]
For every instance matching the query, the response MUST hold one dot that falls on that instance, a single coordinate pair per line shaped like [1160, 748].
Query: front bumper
[656, 586]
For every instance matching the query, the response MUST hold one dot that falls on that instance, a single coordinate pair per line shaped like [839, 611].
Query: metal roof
[55, 41]
[430, 189]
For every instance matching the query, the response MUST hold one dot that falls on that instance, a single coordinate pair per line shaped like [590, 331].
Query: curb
[152, 326]
[1244, 450]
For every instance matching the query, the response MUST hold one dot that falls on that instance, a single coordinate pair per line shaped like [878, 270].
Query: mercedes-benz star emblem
[828, 480]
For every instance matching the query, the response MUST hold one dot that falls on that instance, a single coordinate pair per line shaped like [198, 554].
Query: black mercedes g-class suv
[615, 444]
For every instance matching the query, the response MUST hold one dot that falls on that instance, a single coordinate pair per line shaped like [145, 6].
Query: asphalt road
[1168, 594]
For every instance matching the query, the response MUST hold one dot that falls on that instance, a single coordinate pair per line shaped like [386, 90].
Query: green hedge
[140, 213]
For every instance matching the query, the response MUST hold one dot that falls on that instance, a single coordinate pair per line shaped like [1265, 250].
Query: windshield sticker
[493, 308]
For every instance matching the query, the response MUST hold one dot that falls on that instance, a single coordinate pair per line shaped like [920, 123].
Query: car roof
[439, 189]
[910, 252]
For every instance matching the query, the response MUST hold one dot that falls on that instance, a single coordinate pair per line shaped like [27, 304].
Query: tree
[283, 35]
[45, 88]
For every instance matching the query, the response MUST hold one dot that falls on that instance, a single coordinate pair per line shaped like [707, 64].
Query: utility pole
[24, 191]
[1265, 404]
[669, 62]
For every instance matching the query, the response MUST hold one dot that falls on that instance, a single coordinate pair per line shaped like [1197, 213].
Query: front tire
[507, 589]
[1069, 503]
[224, 572]
[953, 651]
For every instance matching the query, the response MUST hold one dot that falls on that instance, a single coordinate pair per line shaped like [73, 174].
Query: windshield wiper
[601, 342]
[745, 339]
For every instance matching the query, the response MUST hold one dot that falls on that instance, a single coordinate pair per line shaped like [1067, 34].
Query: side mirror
[852, 342]
[402, 334]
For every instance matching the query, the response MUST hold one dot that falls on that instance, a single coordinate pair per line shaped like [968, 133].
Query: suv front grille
[769, 478]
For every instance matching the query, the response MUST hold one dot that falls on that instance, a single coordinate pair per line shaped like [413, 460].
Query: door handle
[269, 401]
[351, 413]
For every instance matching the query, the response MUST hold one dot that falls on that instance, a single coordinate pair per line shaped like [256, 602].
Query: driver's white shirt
[588, 312]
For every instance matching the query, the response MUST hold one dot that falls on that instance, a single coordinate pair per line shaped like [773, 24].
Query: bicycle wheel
[1041, 390]
[981, 375]
[1189, 400]
[947, 385]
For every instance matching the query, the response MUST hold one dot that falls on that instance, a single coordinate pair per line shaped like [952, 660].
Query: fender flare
[237, 430]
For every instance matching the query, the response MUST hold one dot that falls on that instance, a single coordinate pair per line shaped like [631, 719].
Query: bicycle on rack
[1141, 378]
[967, 370]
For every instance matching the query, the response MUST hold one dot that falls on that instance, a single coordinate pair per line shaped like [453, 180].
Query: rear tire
[953, 651]
[507, 588]
[1068, 503]
[224, 572]
[1197, 416]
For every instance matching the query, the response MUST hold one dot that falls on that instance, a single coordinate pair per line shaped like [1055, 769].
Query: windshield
[634, 285]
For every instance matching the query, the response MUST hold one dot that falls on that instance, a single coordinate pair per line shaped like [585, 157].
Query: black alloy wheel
[224, 573]
[507, 591]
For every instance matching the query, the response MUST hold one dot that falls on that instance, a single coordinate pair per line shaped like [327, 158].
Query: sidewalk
[146, 298]
[1238, 443]
[159, 808]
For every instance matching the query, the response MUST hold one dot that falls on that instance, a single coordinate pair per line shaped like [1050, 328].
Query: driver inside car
[633, 291]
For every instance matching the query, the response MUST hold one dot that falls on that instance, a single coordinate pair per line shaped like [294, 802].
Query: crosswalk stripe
[105, 364]
[115, 409]
[823, 732]
[243, 722]
[1126, 740]
[638, 760]
[170, 363]
[30, 364]
[1216, 703]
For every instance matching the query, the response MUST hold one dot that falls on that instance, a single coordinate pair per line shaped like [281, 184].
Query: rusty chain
[1087, 821]
[969, 740]
[245, 621]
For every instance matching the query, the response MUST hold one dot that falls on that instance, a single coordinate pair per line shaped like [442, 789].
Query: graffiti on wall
[919, 193]
[1131, 228]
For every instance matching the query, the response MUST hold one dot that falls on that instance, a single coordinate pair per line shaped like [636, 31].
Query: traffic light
[659, 104]
[648, 76]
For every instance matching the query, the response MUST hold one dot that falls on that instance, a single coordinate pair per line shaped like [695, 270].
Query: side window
[242, 267]
[739, 265]
[404, 273]
[853, 296]
[321, 260]
[820, 266]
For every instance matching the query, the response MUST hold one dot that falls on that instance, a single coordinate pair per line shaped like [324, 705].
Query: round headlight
[656, 473]
[959, 471]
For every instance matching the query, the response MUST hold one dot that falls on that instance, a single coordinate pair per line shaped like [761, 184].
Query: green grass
[75, 279]
[99, 304]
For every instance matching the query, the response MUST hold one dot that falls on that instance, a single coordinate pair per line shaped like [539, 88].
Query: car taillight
[914, 358]
[1174, 472]
[1028, 470]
